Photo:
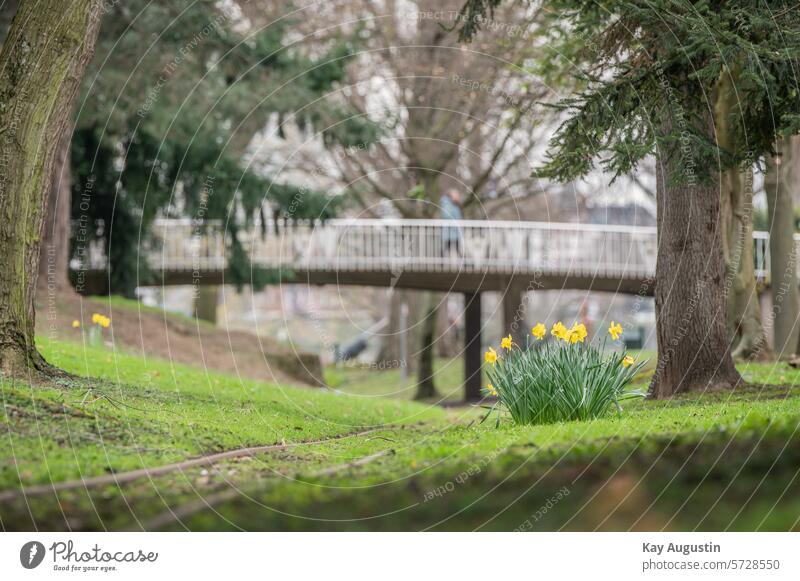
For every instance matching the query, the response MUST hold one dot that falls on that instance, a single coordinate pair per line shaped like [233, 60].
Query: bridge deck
[444, 255]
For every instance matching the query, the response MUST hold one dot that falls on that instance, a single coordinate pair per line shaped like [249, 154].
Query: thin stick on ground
[129, 476]
[181, 512]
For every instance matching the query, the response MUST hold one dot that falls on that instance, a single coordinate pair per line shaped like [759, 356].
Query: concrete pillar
[472, 346]
[514, 321]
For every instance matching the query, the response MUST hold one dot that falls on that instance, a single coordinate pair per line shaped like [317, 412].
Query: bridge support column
[514, 312]
[472, 346]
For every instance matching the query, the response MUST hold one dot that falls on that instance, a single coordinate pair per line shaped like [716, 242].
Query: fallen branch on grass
[125, 477]
[188, 509]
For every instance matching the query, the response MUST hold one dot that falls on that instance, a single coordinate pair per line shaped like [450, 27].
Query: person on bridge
[452, 210]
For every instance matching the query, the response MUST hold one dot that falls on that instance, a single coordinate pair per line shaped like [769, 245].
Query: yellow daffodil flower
[615, 330]
[539, 331]
[506, 343]
[490, 389]
[76, 324]
[559, 331]
[490, 356]
[627, 361]
[101, 320]
[577, 334]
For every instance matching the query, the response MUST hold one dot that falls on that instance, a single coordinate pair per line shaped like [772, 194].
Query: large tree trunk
[425, 385]
[744, 324]
[743, 317]
[41, 65]
[779, 185]
[54, 253]
[693, 348]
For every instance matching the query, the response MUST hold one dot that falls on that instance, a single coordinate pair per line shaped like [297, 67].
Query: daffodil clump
[99, 322]
[568, 380]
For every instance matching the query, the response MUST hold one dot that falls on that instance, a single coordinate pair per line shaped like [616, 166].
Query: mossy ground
[705, 461]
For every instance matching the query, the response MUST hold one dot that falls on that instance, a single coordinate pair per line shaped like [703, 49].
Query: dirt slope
[179, 339]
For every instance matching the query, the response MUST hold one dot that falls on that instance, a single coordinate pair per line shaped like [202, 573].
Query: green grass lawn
[117, 302]
[710, 461]
[368, 382]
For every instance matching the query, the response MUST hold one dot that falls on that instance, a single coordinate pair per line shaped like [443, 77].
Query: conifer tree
[652, 71]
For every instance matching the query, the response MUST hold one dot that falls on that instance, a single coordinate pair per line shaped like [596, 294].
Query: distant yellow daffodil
[627, 361]
[76, 324]
[490, 389]
[539, 331]
[506, 343]
[490, 356]
[578, 333]
[615, 330]
[559, 331]
[101, 320]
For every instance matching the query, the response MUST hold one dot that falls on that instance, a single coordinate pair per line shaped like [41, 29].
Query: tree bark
[54, 253]
[693, 348]
[778, 185]
[41, 65]
[425, 384]
[205, 303]
[743, 315]
[398, 330]
[448, 343]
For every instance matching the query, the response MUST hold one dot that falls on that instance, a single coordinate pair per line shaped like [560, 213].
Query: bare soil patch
[178, 339]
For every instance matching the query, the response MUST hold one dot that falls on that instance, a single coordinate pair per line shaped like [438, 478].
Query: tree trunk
[693, 348]
[41, 65]
[744, 324]
[743, 315]
[205, 303]
[448, 344]
[392, 353]
[54, 254]
[425, 385]
[778, 185]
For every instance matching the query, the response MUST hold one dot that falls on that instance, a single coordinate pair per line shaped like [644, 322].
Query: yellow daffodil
[76, 324]
[490, 356]
[539, 331]
[101, 320]
[577, 334]
[627, 361]
[615, 330]
[490, 389]
[559, 331]
[506, 343]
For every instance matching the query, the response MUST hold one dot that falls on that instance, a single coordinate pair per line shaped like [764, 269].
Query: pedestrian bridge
[414, 254]
[511, 257]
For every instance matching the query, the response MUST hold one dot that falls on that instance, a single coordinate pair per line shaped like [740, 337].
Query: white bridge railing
[395, 245]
